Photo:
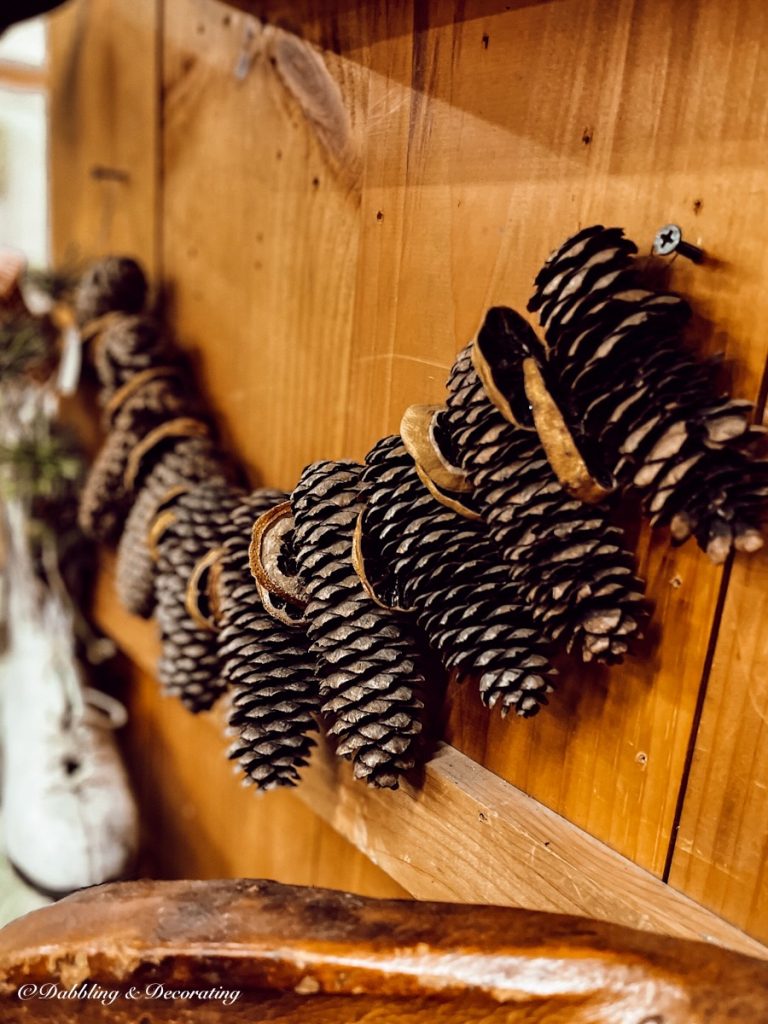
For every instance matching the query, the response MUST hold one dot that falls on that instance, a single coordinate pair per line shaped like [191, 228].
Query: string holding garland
[482, 530]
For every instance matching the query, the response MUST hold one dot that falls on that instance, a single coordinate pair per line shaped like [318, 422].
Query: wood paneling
[721, 854]
[336, 221]
[105, 94]
[261, 231]
[104, 104]
[484, 142]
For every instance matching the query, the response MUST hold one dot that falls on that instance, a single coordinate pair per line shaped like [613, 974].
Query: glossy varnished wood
[311, 955]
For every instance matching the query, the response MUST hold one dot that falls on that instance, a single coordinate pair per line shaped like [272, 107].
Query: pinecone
[191, 461]
[128, 346]
[114, 284]
[647, 408]
[189, 665]
[107, 495]
[366, 660]
[448, 571]
[569, 562]
[267, 666]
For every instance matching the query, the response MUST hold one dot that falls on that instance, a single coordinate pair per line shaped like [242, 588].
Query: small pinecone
[130, 345]
[189, 665]
[449, 573]
[267, 666]
[645, 405]
[114, 284]
[191, 461]
[569, 562]
[105, 501]
[367, 661]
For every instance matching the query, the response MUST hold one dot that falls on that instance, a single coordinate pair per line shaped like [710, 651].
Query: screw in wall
[669, 241]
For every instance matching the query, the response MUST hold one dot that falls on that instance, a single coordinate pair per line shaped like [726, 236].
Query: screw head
[667, 240]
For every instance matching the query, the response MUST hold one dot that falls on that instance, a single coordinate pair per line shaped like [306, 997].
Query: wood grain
[263, 299]
[343, 305]
[721, 853]
[286, 954]
[468, 172]
[104, 107]
[327, 263]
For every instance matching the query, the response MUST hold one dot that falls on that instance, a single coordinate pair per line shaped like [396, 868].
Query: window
[23, 141]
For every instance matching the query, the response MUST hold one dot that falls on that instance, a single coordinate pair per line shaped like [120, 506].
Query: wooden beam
[467, 835]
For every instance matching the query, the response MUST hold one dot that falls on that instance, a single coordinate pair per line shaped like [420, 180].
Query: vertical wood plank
[261, 229]
[104, 144]
[721, 851]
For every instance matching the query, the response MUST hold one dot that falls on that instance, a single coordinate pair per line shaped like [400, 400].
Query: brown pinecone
[645, 406]
[128, 346]
[107, 496]
[570, 563]
[114, 284]
[448, 571]
[189, 665]
[190, 461]
[367, 660]
[266, 664]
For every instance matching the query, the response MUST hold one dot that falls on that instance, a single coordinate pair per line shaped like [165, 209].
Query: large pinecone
[367, 661]
[267, 666]
[646, 406]
[189, 665]
[448, 571]
[191, 461]
[569, 562]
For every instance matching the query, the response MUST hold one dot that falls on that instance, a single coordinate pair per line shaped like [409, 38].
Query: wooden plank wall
[333, 220]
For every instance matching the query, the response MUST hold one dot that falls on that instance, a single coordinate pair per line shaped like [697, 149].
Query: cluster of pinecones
[481, 531]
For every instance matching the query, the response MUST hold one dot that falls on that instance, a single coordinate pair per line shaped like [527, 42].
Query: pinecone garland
[267, 666]
[128, 346]
[647, 408]
[366, 660]
[191, 461]
[106, 496]
[189, 665]
[449, 573]
[573, 571]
